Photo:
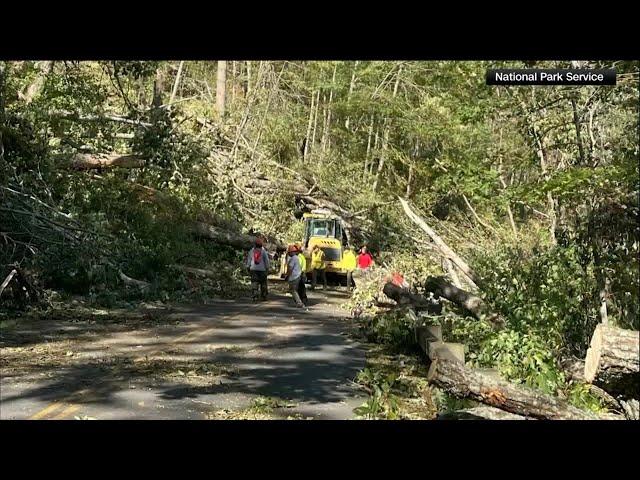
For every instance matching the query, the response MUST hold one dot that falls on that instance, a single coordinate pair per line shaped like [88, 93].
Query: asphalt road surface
[220, 360]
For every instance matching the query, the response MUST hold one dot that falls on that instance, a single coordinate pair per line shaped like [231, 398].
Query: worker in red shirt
[365, 260]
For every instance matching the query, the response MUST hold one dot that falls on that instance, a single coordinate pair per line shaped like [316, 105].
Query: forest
[516, 208]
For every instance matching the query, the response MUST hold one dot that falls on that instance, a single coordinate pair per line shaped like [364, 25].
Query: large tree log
[404, 297]
[132, 282]
[106, 117]
[631, 409]
[445, 250]
[612, 361]
[7, 280]
[195, 271]
[440, 287]
[233, 239]
[481, 413]
[463, 382]
[84, 161]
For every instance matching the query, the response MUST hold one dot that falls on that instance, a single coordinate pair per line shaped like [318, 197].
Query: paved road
[205, 361]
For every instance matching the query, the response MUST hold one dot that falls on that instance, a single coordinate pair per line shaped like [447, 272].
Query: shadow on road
[242, 348]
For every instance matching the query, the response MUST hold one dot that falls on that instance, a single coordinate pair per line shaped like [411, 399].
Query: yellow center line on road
[45, 411]
[56, 405]
[72, 407]
[67, 411]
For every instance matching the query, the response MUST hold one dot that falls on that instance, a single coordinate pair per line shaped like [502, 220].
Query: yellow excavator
[325, 230]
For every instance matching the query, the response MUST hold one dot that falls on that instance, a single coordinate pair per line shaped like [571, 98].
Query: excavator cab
[325, 230]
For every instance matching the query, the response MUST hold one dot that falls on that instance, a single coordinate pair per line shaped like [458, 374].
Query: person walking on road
[293, 274]
[350, 264]
[318, 267]
[302, 287]
[258, 266]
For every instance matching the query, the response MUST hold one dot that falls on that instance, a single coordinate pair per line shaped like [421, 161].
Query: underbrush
[542, 291]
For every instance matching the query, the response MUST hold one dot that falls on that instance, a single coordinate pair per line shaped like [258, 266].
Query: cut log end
[613, 361]
[592, 359]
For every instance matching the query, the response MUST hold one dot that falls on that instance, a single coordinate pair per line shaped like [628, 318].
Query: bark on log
[233, 239]
[404, 297]
[631, 409]
[612, 361]
[7, 280]
[482, 413]
[463, 382]
[195, 271]
[440, 287]
[132, 282]
[67, 115]
[83, 161]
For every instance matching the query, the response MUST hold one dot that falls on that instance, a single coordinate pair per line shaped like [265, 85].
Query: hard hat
[292, 248]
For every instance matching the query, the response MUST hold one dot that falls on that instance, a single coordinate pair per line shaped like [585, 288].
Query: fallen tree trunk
[404, 297]
[132, 282]
[7, 280]
[233, 239]
[67, 115]
[440, 287]
[482, 413]
[612, 361]
[463, 382]
[631, 409]
[84, 161]
[444, 249]
[195, 271]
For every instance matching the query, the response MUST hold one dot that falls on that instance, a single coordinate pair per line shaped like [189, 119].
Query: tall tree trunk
[3, 69]
[576, 122]
[592, 140]
[385, 143]
[385, 139]
[176, 83]
[550, 200]
[351, 86]
[376, 141]
[315, 121]
[324, 122]
[248, 78]
[541, 152]
[326, 136]
[509, 211]
[233, 82]
[366, 156]
[273, 89]
[409, 180]
[307, 139]
[221, 87]
[158, 87]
